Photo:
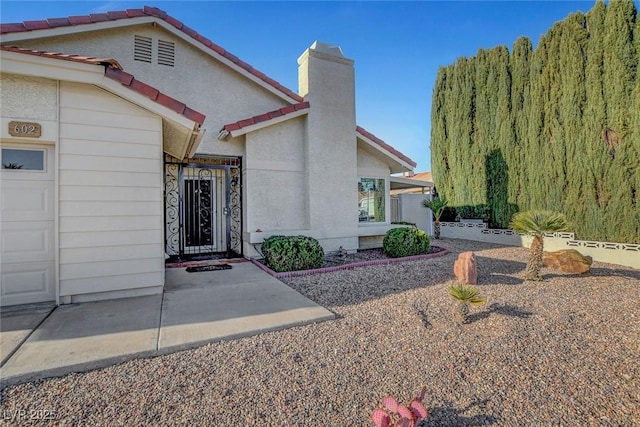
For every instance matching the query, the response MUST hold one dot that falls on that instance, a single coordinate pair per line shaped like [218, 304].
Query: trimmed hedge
[405, 241]
[292, 253]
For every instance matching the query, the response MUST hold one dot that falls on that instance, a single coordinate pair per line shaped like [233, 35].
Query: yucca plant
[437, 206]
[537, 223]
[466, 296]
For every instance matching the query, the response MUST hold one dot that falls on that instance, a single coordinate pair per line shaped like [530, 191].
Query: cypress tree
[594, 122]
[619, 74]
[573, 42]
[554, 128]
[519, 68]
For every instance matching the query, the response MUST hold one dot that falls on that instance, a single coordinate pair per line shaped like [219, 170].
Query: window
[142, 48]
[371, 200]
[15, 158]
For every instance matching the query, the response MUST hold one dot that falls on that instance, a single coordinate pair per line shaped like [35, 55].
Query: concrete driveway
[195, 309]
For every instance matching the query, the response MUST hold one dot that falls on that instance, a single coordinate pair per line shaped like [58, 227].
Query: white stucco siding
[110, 193]
[370, 166]
[28, 98]
[197, 79]
[275, 178]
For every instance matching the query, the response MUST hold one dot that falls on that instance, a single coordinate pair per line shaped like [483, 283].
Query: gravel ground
[563, 352]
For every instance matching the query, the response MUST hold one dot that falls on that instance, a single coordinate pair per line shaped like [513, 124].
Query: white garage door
[27, 244]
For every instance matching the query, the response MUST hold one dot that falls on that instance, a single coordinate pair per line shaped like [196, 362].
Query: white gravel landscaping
[560, 352]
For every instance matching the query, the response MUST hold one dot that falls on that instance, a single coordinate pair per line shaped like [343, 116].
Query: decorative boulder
[567, 261]
[465, 268]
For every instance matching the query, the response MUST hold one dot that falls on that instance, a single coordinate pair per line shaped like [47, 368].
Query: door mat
[208, 268]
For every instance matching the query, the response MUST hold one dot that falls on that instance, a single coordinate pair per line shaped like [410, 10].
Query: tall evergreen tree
[519, 68]
[594, 122]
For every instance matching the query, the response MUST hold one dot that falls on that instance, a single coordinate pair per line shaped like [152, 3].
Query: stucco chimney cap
[328, 49]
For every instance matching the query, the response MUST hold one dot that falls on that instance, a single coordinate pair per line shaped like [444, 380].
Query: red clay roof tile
[143, 88]
[79, 20]
[173, 21]
[99, 17]
[136, 13]
[36, 25]
[266, 116]
[113, 70]
[12, 28]
[58, 22]
[118, 14]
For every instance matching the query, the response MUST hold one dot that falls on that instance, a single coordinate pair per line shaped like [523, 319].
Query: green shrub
[405, 241]
[290, 253]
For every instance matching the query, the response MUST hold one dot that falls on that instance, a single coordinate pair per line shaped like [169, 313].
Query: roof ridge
[52, 23]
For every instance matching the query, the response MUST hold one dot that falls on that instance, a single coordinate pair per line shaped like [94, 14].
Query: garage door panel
[27, 201]
[22, 284]
[27, 241]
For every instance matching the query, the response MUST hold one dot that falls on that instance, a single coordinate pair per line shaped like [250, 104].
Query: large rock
[567, 261]
[465, 268]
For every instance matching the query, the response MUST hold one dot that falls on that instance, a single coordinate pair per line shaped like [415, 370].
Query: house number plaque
[25, 129]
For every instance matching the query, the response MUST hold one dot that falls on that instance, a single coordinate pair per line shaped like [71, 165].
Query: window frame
[385, 199]
[11, 170]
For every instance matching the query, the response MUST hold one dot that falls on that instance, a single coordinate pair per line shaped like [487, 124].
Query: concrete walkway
[196, 308]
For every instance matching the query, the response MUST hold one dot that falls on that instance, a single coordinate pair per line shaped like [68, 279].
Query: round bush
[291, 253]
[406, 241]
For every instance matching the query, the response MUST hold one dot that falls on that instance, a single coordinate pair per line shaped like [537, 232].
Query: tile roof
[114, 71]
[384, 145]
[265, 117]
[52, 23]
[108, 62]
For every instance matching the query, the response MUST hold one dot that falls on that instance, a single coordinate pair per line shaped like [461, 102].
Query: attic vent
[142, 49]
[166, 53]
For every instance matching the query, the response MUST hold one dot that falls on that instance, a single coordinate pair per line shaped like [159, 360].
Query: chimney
[326, 79]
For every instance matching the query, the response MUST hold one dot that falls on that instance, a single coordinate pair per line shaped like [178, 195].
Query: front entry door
[201, 209]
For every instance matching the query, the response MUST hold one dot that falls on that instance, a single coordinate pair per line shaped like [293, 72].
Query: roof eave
[395, 163]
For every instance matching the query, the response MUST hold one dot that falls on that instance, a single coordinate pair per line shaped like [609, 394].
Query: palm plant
[465, 295]
[437, 206]
[537, 223]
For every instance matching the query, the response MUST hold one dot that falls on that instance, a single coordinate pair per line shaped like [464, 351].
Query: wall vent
[166, 53]
[142, 48]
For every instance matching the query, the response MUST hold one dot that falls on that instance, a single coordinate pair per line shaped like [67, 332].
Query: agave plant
[394, 414]
[537, 223]
[437, 206]
[465, 295]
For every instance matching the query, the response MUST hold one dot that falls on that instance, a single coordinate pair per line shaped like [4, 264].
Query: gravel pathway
[564, 352]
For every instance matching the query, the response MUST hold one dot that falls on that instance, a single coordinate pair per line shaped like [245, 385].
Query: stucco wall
[275, 179]
[28, 98]
[110, 193]
[411, 210]
[196, 79]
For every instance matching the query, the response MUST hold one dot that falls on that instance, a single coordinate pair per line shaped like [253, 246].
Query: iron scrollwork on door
[235, 202]
[172, 208]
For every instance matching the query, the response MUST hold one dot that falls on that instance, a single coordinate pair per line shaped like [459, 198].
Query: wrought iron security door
[203, 207]
[200, 209]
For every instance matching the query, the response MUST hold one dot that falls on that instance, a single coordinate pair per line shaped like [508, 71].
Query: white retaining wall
[615, 253]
